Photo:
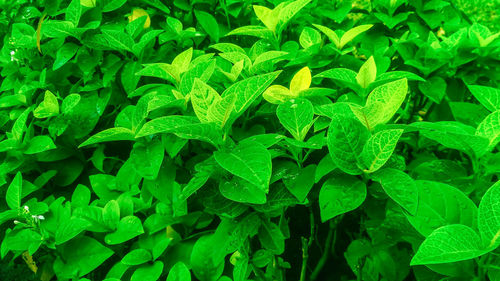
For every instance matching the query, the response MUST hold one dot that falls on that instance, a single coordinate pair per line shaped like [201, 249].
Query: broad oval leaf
[400, 187]
[128, 228]
[179, 272]
[346, 138]
[390, 96]
[301, 81]
[249, 160]
[296, 115]
[340, 195]
[441, 204]
[136, 257]
[489, 97]
[489, 217]
[490, 128]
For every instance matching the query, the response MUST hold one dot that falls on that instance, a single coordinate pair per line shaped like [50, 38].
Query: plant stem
[326, 253]
[306, 244]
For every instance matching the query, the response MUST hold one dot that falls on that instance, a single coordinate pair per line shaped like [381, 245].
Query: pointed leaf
[379, 149]
[449, 243]
[296, 115]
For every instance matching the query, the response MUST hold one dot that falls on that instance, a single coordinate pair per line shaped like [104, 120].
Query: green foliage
[248, 140]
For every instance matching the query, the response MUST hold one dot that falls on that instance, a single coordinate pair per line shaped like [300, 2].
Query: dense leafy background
[249, 140]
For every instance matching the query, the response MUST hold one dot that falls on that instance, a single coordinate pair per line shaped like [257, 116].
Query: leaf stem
[330, 239]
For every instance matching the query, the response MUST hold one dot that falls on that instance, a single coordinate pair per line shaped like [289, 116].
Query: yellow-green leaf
[301, 81]
[367, 73]
[48, 107]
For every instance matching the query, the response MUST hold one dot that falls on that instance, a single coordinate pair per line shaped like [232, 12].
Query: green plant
[248, 140]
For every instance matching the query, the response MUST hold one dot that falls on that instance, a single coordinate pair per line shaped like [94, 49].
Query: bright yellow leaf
[301, 81]
[137, 13]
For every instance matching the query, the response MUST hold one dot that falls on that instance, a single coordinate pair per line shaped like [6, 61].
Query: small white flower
[40, 217]
[26, 208]
[12, 53]
[16, 222]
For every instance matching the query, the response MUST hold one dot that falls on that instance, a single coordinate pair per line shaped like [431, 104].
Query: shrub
[248, 140]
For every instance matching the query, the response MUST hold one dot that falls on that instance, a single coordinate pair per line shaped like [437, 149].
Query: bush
[248, 140]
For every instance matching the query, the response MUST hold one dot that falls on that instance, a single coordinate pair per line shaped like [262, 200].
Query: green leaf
[151, 272]
[301, 184]
[147, 158]
[249, 160]
[353, 33]
[14, 192]
[490, 128]
[118, 40]
[83, 255]
[340, 195]
[203, 71]
[68, 229]
[48, 107]
[39, 144]
[205, 265]
[248, 90]
[454, 135]
[111, 134]
[400, 187]
[111, 214]
[441, 204]
[128, 228]
[69, 102]
[389, 96]
[277, 94]
[288, 12]
[329, 33]
[271, 237]
[296, 115]
[342, 75]
[378, 149]
[64, 54]
[202, 98]
[267, 16]
[346, 138]
[182, 61]
[179, 272]
[450, 243]
[434, 88]
[489, 97]
[243, 191]
[367, 73]
[253, 30]
[209, 24]
[137, 257]
[111, 5]
[187, 127]
[309, 37]
[19, 126]
[220, 111]
[489, 217]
